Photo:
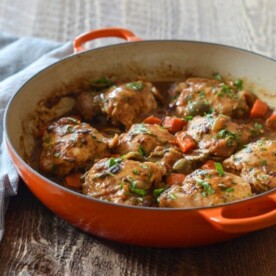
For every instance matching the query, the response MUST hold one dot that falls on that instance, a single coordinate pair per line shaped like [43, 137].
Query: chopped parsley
[225, 91]
[207, 188]
[113, 167]
[135, 190]
[189, 118]
[188, 98]
[158, 192]
[239, 84]
[219, 169]
[144, 166]
[217, 76]
[135, 171]
[230, 136]
[229, 190]
[263, 162]
[258, 126]
[135, 86]
[141, 151]
[111, 162]
[257, 129]
[260, 143]
[202, 94]
[102, 82]
[172, 196]
[140, 129]
[69, 129]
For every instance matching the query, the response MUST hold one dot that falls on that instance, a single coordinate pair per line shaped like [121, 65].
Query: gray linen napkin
[20, 59]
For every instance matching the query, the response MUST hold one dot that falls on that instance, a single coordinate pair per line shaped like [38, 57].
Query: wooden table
[36, 242]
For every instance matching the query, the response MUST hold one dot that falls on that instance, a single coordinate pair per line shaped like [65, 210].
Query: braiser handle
[264, 216]
[103, 33]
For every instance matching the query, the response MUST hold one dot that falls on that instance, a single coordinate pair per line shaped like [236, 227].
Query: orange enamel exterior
[103, 33]
[156, 227]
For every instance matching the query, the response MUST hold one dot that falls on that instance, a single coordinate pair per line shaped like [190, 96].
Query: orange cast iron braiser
[154, 60]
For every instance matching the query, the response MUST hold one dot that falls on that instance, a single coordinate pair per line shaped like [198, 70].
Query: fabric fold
[20, 59]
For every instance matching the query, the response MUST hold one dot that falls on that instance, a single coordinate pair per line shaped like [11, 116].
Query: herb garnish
[141, 151]
[135, 171]
[207, 188]
[69, 129]
[135, 86]
[258, 126]
[202, 94]
[229, 190]
[225, 91]
[225, 133]
[135, 190]
[144, 166]
[158, 192]
[217, 76]
[111, 162]
[257, 129]
[239, 84]
[230, 136]
[219, 169]
[139, 129]
[172, 196]
[189, 118]
[102, 82]
[263, 162]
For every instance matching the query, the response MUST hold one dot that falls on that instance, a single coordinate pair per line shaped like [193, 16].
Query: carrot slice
[209, 165]
[175, 178]
[259, 109]
[271, 121]
[73, 180]
[153, 120]
[173, 124]
[185, 142]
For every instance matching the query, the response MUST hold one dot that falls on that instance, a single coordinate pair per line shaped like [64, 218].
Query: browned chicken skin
[205, 188]
[144, 138]
[68, 144]
[124, 181]
[124, 104]
[256, 163]
[218, 134]
[197, 96]
[89, 104]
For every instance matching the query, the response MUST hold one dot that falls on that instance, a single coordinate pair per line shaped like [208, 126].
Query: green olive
[182, 165]
[197, 108]
[198, 156]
